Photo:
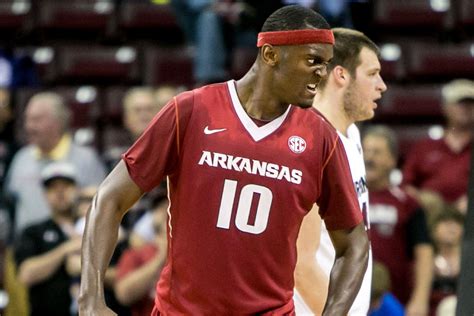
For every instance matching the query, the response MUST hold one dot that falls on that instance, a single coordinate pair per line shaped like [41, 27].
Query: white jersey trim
[256, 132]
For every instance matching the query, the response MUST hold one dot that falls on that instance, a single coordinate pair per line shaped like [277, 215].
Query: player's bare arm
[352, 256]
[310, 280]
[115, 196]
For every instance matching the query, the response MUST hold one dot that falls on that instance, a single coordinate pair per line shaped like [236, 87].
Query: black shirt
[50, 297]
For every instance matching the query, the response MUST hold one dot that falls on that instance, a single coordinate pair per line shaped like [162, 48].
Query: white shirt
[326, 253]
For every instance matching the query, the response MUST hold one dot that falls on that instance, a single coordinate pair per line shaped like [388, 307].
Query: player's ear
[270, 54]
[341, 75]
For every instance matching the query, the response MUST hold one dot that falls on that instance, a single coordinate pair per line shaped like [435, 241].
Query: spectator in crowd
[442, 166]
[139, 268]
[43, 248]
[382, 301]
[139, 107]
[447, 231]
[206, 23]
[346, 96]
[399, 233]
[46, 124]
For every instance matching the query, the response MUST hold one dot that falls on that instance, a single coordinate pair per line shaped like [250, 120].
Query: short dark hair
[347, 48]
[294, 17]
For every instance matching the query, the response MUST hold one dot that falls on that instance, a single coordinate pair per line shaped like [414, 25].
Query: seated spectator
[398, 229]
[46, 124]
[442, 166]
[43, 248]
[447, 231]
[139, 268]
[382, 301]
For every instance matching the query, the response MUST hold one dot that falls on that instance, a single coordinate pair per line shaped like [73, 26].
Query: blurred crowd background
[81, 79]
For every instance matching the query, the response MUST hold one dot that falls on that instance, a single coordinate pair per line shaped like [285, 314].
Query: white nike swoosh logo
[208, 131]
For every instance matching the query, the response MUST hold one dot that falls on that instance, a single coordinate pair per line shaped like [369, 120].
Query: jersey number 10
[243, 207]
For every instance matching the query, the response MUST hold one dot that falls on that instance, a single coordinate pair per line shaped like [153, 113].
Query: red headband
[296, 37]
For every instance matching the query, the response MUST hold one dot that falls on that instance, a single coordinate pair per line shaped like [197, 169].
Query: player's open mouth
[311, 88]
[375, 101]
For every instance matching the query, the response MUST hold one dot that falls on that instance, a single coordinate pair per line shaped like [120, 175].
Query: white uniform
[326, 254]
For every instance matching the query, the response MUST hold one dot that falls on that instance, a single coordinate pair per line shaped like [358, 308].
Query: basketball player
[245, 162]
[347, 95]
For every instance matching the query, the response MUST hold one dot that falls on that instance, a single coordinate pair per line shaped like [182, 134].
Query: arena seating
[15, 19]
[435, 61]
[412, 103]
[112, 45]
[74, 14]
[412, 16]
[98, 64]
[168, 66]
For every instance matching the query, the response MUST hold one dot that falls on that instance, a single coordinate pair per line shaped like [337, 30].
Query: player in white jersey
[347, 95]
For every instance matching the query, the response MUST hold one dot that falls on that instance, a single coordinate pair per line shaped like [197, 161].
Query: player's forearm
[347, 275]
[423, 273]
[312, 285]
[99, 240]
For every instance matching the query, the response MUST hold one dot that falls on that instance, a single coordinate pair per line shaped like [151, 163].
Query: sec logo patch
[296, 144]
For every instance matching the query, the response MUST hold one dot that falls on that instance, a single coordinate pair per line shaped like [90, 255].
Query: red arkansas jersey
[238, 193]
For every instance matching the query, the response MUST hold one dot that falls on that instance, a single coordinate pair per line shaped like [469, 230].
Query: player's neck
[258, 104]
[331, 106]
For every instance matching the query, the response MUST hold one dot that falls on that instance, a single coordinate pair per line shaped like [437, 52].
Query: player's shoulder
[199, 96]
[214, 89]
[315, 120]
